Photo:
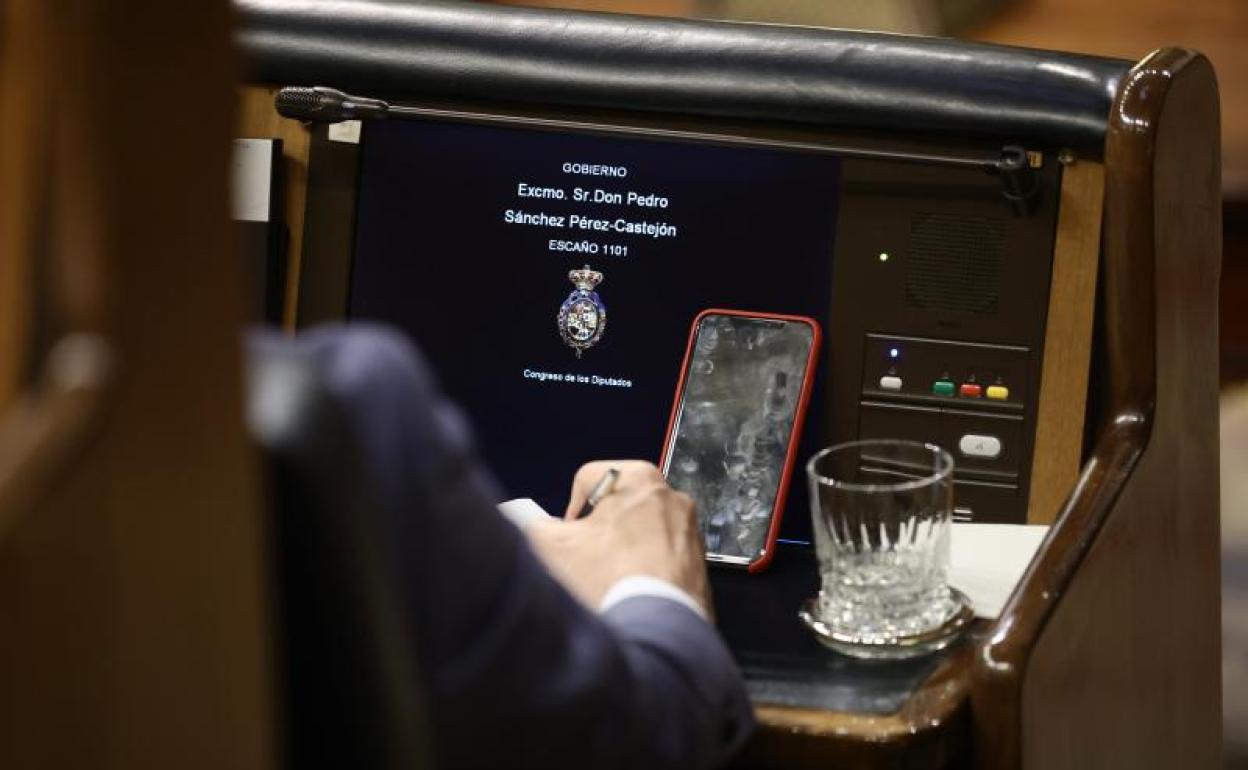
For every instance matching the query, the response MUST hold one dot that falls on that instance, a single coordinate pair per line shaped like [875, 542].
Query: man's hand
[643, 527]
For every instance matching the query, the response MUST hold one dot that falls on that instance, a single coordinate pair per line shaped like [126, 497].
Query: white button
[973, 445]
[890, 383]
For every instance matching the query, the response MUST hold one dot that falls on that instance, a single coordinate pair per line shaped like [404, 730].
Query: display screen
[552, 277]
[731, 430]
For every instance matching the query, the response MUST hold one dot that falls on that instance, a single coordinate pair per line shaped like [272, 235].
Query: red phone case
[799, 415]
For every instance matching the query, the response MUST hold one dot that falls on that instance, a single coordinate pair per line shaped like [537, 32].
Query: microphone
[326, 105]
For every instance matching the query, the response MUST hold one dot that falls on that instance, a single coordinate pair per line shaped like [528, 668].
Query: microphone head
[298, 100]
[325, 105]
[309, 104]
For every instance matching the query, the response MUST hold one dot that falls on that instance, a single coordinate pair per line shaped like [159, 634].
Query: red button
[972, 389]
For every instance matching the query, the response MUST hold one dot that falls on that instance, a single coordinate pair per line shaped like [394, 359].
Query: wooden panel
[1106, 655]
[258, 120]
[132, 615]
[1147, 672]
[1067, 342]
[23, 120]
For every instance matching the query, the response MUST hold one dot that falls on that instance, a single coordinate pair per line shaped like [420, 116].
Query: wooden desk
[1106, 655]
[1063, 679]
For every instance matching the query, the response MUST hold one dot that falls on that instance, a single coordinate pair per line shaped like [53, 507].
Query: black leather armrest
[753, 71]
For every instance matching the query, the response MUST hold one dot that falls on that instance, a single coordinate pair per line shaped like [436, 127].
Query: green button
[942, 388]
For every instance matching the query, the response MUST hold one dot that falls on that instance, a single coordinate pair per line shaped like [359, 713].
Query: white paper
[987, 560]
[522, 511]
[251, 172]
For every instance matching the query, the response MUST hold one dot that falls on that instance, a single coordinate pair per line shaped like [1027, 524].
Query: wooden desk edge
[929, 708]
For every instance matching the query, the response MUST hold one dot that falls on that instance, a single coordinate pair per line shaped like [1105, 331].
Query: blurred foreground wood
[133, 631]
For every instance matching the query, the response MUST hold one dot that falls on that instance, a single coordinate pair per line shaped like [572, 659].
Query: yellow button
[997, 392]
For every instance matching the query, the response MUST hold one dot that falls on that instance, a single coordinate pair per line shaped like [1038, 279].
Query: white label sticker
[347, 131]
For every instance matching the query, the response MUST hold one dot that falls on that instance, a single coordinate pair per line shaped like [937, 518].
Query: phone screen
[730, 437]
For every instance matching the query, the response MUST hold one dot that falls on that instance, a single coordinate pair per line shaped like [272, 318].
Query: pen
[600, 490]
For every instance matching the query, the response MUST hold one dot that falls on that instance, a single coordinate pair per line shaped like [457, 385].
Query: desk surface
[816, 707]
[783, 664]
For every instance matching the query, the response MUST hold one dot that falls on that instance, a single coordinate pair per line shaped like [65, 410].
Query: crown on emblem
[585, 279]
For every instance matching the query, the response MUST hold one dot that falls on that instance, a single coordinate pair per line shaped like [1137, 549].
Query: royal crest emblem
[582, 316]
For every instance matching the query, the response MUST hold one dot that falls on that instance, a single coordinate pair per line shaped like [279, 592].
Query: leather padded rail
[754, 71]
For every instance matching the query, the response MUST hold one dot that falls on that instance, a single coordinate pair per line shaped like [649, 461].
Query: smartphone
[736, 420]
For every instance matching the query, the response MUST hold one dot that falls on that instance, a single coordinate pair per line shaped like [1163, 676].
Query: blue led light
[893, 352]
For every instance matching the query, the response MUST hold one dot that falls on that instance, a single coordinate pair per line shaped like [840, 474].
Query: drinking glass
[882, 515]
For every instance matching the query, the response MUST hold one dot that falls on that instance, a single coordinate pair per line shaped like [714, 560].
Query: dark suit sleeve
[517, 672]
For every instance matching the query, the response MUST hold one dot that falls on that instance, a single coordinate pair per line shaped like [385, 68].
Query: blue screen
[465, 238]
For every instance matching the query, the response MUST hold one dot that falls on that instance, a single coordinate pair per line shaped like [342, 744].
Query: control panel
[966, 397]
[940, 297]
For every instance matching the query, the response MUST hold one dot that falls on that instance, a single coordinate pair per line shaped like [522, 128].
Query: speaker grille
[954, 263]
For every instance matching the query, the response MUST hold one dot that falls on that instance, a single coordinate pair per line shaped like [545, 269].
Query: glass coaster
[895, 648]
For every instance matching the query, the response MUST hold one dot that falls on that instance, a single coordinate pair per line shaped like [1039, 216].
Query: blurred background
[1128, 29]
